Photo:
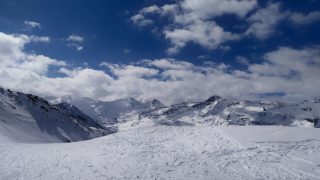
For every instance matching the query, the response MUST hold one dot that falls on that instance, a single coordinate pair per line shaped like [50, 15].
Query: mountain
[129, 113]
[114, 112]
[220, 111]
[26, 117]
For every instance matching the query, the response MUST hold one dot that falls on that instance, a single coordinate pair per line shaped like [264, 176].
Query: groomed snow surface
[171, 152]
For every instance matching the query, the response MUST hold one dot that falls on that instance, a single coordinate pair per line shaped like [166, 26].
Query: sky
[173, 50]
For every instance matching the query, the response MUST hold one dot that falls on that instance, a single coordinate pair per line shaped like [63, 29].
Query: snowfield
[171, 152]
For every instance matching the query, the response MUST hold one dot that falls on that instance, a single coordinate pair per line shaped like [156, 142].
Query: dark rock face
[156, 103]
[213, 98]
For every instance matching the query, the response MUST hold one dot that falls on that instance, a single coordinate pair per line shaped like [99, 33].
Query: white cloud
[76, 46]
[40, 38]
[293, 71]
[202, 57]
[168, 63]
[32, 24]
[75, 41]
[39, 63]
[205, 9]
[264, 21]
[301, 19]
[151, 9]
[75, 38]
[13, 56]
[206, 33]
[130, 70]
[192, 21]
[289, 70]
[242, 60]
[140, 20]
[11, 47]
[195, 21]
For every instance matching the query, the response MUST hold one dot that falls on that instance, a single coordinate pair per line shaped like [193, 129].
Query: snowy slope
[172, 152]
[29, 118]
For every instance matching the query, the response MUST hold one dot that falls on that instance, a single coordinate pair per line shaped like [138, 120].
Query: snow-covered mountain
[78, 119]
[114, 112]
[25, 117]
[129, 113]
[220, 111]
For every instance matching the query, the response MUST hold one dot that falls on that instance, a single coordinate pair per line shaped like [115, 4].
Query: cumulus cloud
[292, 71]
[206, 33]
[11, 47]
[193, 21]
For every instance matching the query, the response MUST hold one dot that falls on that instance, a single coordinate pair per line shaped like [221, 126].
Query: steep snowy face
[25, 117]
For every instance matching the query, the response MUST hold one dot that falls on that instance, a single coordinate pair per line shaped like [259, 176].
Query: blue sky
[236, 35]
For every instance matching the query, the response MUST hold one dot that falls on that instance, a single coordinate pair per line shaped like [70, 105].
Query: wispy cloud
[75, 38]
[127, 51]
[32, 25]
[304, 19]
[75, 42]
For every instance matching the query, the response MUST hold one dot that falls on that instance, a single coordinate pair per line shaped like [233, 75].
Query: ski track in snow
[162, 152]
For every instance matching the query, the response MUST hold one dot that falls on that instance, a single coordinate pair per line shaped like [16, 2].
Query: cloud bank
[294, 72]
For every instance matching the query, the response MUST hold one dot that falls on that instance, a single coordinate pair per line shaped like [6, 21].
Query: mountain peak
[213, 98]
[156, 103]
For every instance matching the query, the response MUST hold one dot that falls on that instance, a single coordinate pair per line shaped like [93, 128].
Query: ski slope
[171, 152]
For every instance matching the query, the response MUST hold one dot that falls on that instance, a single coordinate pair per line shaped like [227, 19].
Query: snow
[113, 112]
[172, 152]
[201, 140]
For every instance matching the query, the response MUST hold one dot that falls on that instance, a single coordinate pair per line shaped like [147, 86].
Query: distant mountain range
[31, 118]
